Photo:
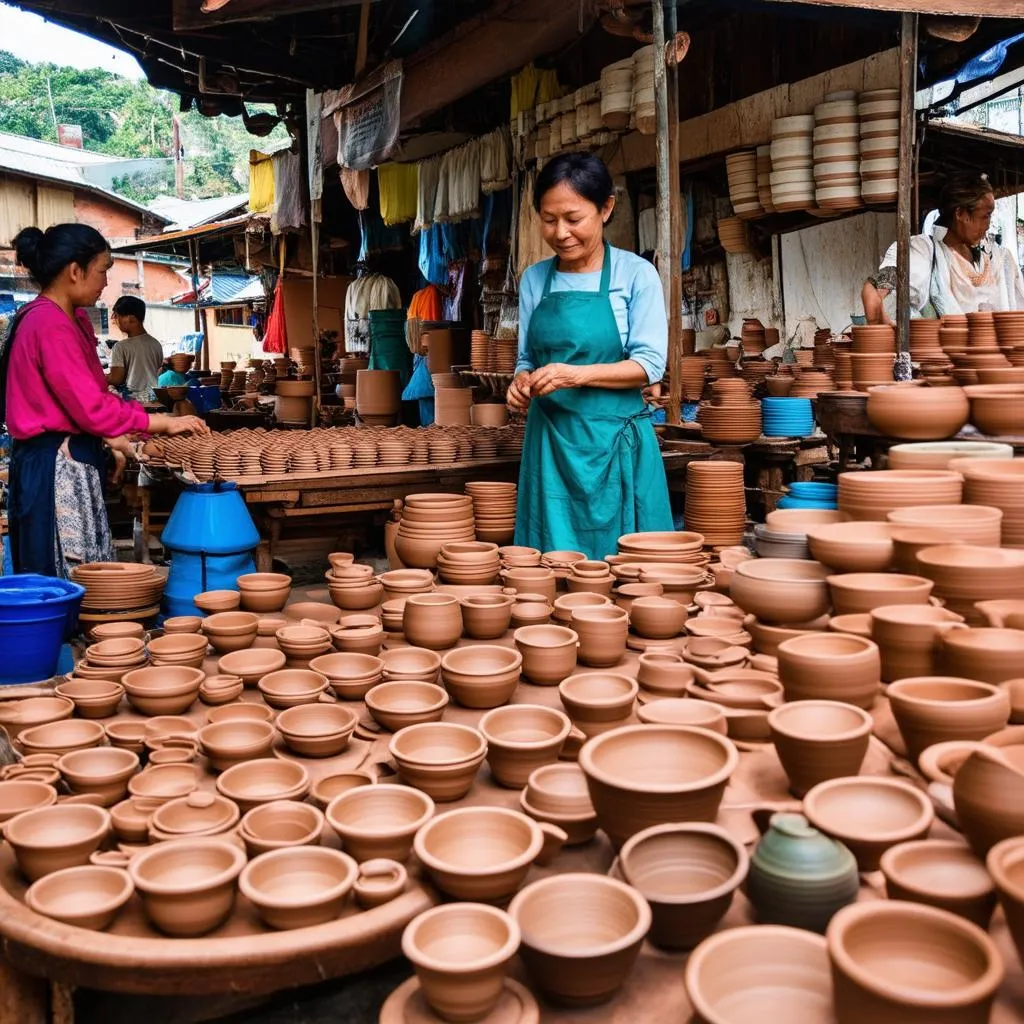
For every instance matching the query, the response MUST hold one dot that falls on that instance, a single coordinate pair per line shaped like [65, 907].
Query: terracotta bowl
[946, 967]
[194, 816]
[298, 888]
[264, 591]
[657, 618]
[869, 814]
[93, 698]
[129, 735]
[118, 652]
[460, 953]
[240, 711]
[581, 934]
[213, 601]
[779, 590]
[940, 873]
[565, 603]
[163, 690]
[643, 775]
[558, 794]
[279, 825]
[51, 838]
[400, 703]
[688, 874]
[325, 789]
[481, 675]
[350, 676]
[229, 743]
[830, 666]
[262, 781]
[548, 653]
[100, 771]
[379, 820]
[598, 701]
[61, 737]
[252, 665]
[411, 663]
[521, 738]
[188, 886]
[182, 649]
[20, 795]
[853, 547]
[986, 653]
[440, 758]
[683, 711]
[1005, 863]
[317, 730]
[663, 675]
[290, 688]
[164, 782]
[32, 711]
[183, 624]
[231, 631]
[219, 690]
[864, 591]
[83, 897]
[312, 610]
[733, 976]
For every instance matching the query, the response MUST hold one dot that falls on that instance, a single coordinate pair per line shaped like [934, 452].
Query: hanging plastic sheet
[421, 389]
[368, 118]
[357, 187]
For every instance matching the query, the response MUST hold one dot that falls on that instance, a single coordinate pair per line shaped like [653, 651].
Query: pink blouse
[55, 381]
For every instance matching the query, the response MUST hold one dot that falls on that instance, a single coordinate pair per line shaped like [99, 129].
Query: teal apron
[591, 468]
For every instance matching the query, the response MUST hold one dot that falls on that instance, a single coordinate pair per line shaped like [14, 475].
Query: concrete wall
[228, 342]
[168, 324]
[159, 282]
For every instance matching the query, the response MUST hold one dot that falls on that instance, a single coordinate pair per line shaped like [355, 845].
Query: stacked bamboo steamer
[792, 153]
[764, 178]
[643, 89]
[879, 112]
[617, 94]
[741, 169]
[837, 153]
[567, 121]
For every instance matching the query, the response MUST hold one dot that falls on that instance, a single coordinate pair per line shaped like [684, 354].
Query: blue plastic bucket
[31, 647]
[28, 596]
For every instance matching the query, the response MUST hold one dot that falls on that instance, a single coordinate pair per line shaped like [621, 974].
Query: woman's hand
[186, 425]
[555, 377]
[519, 393]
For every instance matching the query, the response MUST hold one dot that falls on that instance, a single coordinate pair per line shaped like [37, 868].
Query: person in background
[58, 409]
[136, 359]
[170, 378]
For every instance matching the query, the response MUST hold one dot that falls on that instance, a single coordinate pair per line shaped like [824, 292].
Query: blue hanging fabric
[421, 389]
[433, 264]
[688, 232]
[987, 64]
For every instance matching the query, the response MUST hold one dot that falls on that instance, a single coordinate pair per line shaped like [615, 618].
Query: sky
[35, 39]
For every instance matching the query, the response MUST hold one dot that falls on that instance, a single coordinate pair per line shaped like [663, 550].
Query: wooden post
[193, 254]
[662, 143]
[363, 40]
[675, 308]
[904, 208]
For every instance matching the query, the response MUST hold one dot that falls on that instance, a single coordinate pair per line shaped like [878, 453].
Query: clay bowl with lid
[941, 873]
[317, 730]
[240, 711]
[61, 737]
[548, 653]
[482, 675]
[862, 592]
[350, 676]
[194, 816]
[946, 969]
[213, 601]
[229, 743]
[733, 976]
[87, 896]
[298, 887]
[262, 781]
[164, 782]
[869, 814]
[411, 663]
[163, 690]
[186, 650]
[486, 616]
[264, 591]
[183, 624]
[291, 688]
[521, 738]
[20, 795]
[379, 820]
[581, 935]
[598, 701]
[483, 853]
[643, 775]
[279, 825]
[460, 953]
[93, 698]
[48, 839]
[830, 666]
[188, 886]
[231, 631]
[818, 740]
[684, 711]
[252, 665]
[32, 711]
[986, 653]
[688, 873]
[852, 547]
[937, 709]
[101, 771]
[395, 705]
[1005, 863]
[440, 758]
[779, 590]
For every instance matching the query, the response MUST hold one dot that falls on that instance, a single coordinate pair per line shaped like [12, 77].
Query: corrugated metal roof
[223, 290]
[189, 213]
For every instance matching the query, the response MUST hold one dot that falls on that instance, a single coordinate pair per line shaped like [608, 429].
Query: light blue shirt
[637, 299]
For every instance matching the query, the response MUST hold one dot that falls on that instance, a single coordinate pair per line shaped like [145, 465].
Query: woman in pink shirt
[58, 411]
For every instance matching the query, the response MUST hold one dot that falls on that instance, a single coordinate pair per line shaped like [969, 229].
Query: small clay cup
[380, 881]
[549, 653]
[440, 758]
[48, 839]
[598, 701]
[400, 703]
[87, 896]
[557, 793]
[101, 771]
[279, 825]
[521, 738]
[317, 730]
[378, 821]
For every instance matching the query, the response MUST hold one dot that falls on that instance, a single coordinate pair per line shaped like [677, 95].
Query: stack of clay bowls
[113, 587]
[924, 339]
[837, 153]
[480, 349]
[875, 494]
[693, 372]
[792, 152]
[873, 355]
[264, 592]
[741, 169]
[764, 178]
[429, 521]
[716, 501]
[754, 339]
[732, 233]
[997, 409]
[352, 588]
[678, 546]
[469, 563]
[965, 574]
[1009, 326]
[732, 416]
[494, 510]
[879, 112]
[998, 483]
[112, 659]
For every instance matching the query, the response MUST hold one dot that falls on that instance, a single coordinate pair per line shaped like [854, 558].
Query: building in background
[231, 304]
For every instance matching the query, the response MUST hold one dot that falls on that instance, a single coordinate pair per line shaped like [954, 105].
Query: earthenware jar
[800, 877]
[833, 666]
[486, 616]
[988, 794]
[602, 633]
[909, 638]
[433, 621]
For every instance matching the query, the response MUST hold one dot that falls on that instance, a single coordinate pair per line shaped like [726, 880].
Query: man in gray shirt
[136, 359]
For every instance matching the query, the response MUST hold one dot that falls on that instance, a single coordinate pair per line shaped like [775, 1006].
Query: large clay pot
[549, 653]
[832, 666]
[861, 592]
[909, 638]
[602, 635]
[780, 590]
[988, 794]
[965, 574]
[433, 621]
[992, 655]
[1005, 864]
[917, 413]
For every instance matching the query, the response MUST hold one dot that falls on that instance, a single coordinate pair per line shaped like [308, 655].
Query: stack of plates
[470, 563]
[391, 451]
[364, 453]
[879, 144]
[201, 461]
[787, 417]
[837, 154]
[682, 547]
[303, 460]
[764, 178]
[118, 587]
[451, 406]
[511, 441]
[506, 352]
[1010, 328]
[494, 510]
[874, 338]
[924, 339]
[480, 352]
[792, 152]
[716, 501]
[485, 444]
[444, 448]
[981, 331]
[732, 233]
[741, 169]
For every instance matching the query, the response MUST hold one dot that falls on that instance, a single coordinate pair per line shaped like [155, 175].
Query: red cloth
[55, 381]
[276, 337]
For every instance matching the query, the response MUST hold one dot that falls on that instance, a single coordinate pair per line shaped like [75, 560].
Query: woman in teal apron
[593, 335]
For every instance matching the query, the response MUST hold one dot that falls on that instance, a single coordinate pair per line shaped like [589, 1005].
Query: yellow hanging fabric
[548, 87]
[398, 192]
[530, 87]
[261, 182]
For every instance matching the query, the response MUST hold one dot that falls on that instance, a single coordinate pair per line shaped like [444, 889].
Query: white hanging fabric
[428, 177]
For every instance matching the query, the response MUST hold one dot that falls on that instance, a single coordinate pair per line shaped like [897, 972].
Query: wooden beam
[905, 189]
[187, 15]
[960, 8]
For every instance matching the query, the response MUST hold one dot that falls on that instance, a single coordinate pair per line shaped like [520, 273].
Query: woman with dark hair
[55, 402]
[955, 269]
[593, 334]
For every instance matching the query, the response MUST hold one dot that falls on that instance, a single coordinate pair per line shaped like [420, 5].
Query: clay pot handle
[381, 867]
[554, 839]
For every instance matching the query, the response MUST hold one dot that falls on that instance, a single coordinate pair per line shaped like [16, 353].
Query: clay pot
[557, 794]
[678, 711]
[231, 631]
[799, 877]
[643, 775]
[663, 675]
[869, 814]
[548, 653]
[765, 638]
[521, 738]
[60, 737]
[780, 590]
[235, 712]
[970, 524]
[20, 795]
[657, 618]
[909, 638]
[486, 616]
[324, 790]
[818, 740]
[103, 772]
[178, 649]
[688, 874]
[989, 654]
[935, 709]
[733, 976]
[380, 881]
[602, 635]
[200, 814]
[965, 574]
[537, 580]
[229, 743]
[624, 596]
[460, 953]
[48, 839]
[291, 688]
[440, 758]
[530, 610]
[18, 715]
[1005, 863]
[917, 413]
[852, 547]
[988, 794]
[360, 636]
[262, 781]
[213, 601]
[379, 820]
[83, 897]
[252, 665]
[411, 663]
[483, 853]
[861, 592]
[187, 887]
[350, 676]
[164, 782]
[940, 873]
[163, 690]
[183, 624]
[433, 621]
[282, 824]
[482, 675]
[398, 704]
[833, 666]
[264, 591]
[598, 701]
[317, 730]
[947, 968]
[581, 934]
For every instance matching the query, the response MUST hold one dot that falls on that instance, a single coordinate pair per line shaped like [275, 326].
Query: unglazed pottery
[85, 897]
[557, 793]
[395, 705]
[197, 815]
[830, 666]
[852, 547]
[252, 783]
[380, 881]
[581, 934]
[602, 635]
[61, 737]
[521, 738]
[325, 789]
[688, 874]
[411, 663]
[657, 618]
[1005, 863]
[48, 839]
[280, 824]
[663, 674]
[548, 652]
[232, 742]
[862, 592]
[989, 654]
[350, 676]
[486, 616]
[433, 621]
[799, 876]
[482, 675]
[231, 631]
[779, 590]
[251, 666]
[93, 698]
[19, 795]
[440, 758]
[909, 638]
[598, 701]
[988, 794]
[317, 730]
[102, 771]
[379, 820]
[163, 690]
[680, 711]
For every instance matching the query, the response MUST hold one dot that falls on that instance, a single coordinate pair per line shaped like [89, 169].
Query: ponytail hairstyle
[962, 191]
[46, 253]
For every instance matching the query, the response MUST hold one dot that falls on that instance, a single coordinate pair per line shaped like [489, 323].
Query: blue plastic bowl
[31, 648]
[814, 491]
[787, 417]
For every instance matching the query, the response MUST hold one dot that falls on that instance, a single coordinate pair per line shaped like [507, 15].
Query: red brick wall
[109, 219]
[159, 282]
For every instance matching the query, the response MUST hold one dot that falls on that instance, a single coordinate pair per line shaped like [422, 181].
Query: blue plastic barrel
[37, 613]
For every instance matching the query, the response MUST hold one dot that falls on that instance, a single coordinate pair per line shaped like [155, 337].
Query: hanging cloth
[261, 182]
[532, 247]
[432, 263]
[444, 177]
[427, 304]
[464, 192]
[427, 174]
[495, 160]
[289, 208]
[357, 187]
[398, 186]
